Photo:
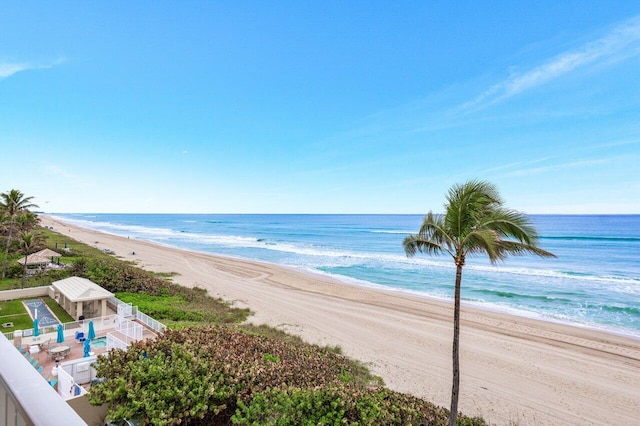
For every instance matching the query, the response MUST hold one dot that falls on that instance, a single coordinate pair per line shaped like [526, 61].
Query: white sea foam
[382, 231]
[552, 291]
[347, 257]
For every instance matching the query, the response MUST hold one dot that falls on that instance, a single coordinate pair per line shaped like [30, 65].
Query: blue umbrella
[36, 331]
[92, 333]
[87, 347]
[60, 338]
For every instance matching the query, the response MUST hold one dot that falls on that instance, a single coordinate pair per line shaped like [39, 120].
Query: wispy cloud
[622, 42]
[553, 167]
[7, 69]
[61, 173]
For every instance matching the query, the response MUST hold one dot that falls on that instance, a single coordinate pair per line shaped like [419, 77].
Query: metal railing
[157, 326]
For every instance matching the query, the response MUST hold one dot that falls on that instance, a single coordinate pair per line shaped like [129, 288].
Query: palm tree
[13, 202]
[26, 221]
[28, 244]
[475, 222]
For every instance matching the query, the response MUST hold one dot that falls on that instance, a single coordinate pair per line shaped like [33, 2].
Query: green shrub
[14, 270]
[340, 406]
[208, 375]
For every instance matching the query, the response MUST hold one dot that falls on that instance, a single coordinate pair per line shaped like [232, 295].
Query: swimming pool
[100, 342]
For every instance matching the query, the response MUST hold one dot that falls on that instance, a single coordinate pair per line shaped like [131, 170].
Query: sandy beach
[514, 370]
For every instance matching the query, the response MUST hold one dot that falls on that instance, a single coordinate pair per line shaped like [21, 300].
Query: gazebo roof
[76, 289]
[48, 253]
[34, 259]
[41, 257]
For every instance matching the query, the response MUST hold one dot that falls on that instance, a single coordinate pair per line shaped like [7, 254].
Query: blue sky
[319, 107]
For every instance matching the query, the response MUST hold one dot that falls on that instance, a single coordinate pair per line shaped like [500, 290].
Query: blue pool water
[100, 342]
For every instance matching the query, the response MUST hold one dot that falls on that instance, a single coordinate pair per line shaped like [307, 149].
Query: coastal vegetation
[475, 222]
[15, 216]
[218, 375]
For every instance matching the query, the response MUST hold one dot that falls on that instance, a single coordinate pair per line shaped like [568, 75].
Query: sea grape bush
[344, 405]
[217, 375]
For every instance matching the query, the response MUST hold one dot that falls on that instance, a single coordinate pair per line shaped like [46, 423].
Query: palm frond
[432, 237]
[414, 244]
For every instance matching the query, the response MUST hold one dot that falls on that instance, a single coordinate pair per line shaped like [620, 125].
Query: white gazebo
[81, 297]
[39, 261]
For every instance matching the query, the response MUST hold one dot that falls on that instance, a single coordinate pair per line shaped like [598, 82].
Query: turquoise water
[100, 342]
[595, 281]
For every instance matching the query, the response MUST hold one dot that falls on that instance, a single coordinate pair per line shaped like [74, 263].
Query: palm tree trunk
[6, 251]
[455, 388]
[24, 269]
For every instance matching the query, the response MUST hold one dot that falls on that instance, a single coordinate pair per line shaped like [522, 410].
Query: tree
[28, 244]
[26, 221]
[13, 203]
[475, 222]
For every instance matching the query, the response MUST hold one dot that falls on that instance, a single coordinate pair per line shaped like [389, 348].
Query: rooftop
[78, 289]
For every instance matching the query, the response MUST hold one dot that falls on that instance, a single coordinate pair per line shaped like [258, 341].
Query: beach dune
[514, 370]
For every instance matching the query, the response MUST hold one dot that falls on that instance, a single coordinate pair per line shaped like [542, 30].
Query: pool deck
[76, 348]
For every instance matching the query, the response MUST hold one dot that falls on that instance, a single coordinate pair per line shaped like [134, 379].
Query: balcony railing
[25, 398]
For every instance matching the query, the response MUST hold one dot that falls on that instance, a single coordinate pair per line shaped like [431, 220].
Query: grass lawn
[57, 310]
[14, 311]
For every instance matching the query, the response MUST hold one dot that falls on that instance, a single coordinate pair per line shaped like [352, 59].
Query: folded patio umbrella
[92, 333]
[87, 347]
[60, 338]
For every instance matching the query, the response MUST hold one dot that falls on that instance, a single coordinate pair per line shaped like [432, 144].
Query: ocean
[594, 282]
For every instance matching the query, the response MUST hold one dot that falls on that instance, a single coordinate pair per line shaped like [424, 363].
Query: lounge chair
[40, 369]
[34, 363]
[53, 382]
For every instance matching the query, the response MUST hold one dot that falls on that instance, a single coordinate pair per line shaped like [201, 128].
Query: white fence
[157, 326]
[73, 374]
[132, 330]
[127, 308]
[114, 343]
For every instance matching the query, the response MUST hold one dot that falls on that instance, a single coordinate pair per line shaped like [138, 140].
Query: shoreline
[513, 368]
[346, 280]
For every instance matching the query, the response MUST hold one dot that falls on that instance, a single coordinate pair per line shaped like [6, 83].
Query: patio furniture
[44, 345]
[59, 352]
[80, 336]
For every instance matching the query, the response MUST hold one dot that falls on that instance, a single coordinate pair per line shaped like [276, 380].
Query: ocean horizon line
[319, 214]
